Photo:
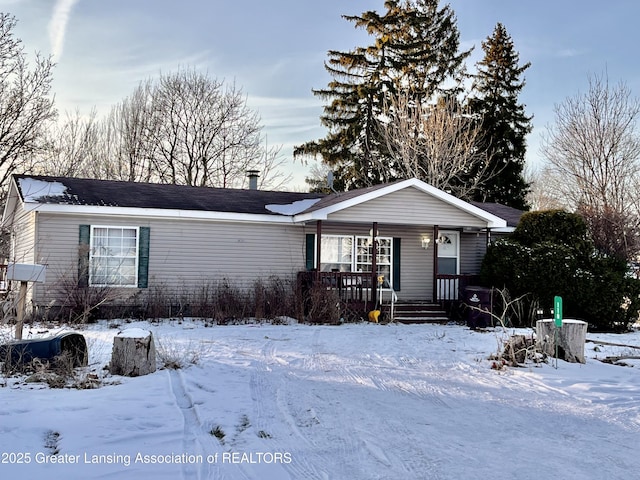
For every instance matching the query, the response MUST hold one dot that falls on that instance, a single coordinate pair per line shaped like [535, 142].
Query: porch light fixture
[425, 242]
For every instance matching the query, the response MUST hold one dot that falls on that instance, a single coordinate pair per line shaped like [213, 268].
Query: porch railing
[350, 285]
[451, 288]
[354, 288]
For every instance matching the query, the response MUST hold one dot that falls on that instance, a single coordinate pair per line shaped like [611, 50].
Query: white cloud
[58, 26]
[570, 52]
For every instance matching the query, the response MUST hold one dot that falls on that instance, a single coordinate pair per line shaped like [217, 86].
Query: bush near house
[220, 301]
[551, 253]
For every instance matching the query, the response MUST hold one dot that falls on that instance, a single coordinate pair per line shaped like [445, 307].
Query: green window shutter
[396, 264]
[143, 257]
[83, 255]
[310, 251]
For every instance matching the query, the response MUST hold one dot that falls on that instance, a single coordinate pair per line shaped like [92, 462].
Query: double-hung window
[113, 256]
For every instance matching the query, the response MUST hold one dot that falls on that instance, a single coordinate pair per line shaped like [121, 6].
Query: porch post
[374, 266]
[435, 262]
[318, 247]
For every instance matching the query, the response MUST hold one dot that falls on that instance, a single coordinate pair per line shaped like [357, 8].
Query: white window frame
[349, 265]
[358, 241]
[94, 256]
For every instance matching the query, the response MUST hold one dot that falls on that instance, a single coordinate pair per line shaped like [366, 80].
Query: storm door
[448, 264]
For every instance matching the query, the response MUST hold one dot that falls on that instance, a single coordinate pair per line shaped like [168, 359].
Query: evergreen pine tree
[505, 125]
[416, 50]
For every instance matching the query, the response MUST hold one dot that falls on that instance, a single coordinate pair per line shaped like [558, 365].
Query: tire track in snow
[376, 372]
[317, 362]
[388, 374]
[268, 389]
[352, 449]
[194, 439]
[261, 390]
[415, 465]
[330, 381]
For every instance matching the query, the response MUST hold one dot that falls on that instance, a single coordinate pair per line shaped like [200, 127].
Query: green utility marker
[557, 310]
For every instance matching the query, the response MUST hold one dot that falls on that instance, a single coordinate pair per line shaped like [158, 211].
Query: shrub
[553, 226]
[80, 303]
[323, 305]
[174, 355]
[550, 254]
[223, 301]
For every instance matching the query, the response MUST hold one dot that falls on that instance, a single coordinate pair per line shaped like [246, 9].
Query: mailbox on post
[24, 273]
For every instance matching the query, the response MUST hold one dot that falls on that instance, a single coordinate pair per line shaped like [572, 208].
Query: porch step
[420, 312]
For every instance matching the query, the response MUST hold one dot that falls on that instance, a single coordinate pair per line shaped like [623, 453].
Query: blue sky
[274, 50]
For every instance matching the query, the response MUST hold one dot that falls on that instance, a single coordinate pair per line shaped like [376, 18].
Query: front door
[448, 264]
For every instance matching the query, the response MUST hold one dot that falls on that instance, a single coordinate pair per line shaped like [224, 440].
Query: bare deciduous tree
[545, 189]
[435, 143]
[183, 128]
[25, 105]
[70, 145]
[205, 134]
[594, 146]
[128, 138]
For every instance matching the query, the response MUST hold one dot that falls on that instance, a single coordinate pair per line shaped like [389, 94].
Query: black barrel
[478, 302]
[70, 343]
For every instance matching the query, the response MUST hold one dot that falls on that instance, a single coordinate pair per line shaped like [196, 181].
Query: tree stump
[570, 337]
[133, 354]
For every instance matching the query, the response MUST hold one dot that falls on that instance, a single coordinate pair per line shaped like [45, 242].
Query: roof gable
[341, 201]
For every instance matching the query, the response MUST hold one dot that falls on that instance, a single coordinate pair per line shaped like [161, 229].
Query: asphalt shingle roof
[84, 191]
[509, 214]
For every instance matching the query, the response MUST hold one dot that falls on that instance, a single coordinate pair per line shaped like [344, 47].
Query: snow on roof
[33, 190]
[292, 208]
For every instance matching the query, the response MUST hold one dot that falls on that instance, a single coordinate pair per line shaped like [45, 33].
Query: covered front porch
[395, 268]
[357, 298]
[405, 242]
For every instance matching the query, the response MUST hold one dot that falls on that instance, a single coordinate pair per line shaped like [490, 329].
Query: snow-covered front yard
[353, 402]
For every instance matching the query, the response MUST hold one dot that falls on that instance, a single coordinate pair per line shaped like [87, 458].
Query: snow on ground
[356, 402]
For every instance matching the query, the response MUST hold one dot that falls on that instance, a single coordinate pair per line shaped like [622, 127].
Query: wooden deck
[358, 298]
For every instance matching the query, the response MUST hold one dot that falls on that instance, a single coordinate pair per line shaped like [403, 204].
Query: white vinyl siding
[473, 246]
[23, 247]
[183, 254]
[409, 206]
